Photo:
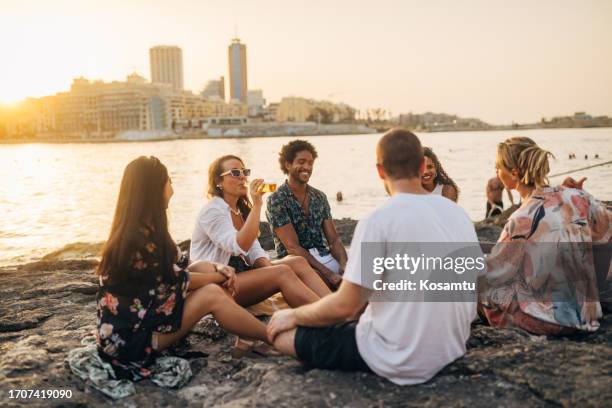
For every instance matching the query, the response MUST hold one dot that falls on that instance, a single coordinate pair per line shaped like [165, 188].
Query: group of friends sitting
[151, 294]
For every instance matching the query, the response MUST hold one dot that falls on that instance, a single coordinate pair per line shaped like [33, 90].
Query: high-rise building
[167, 66]
[238, 71]
[214, 89]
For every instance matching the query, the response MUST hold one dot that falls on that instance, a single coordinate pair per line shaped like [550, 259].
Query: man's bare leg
[285, 343]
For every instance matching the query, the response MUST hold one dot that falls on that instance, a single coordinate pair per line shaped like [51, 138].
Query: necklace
[237, 212]
[303, 201]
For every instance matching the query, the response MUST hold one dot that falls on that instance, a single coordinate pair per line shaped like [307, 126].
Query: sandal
[242, 348]
[252, 349]
[265, 350]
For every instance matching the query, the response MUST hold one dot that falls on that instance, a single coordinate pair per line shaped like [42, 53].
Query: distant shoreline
[200, 137]
[166, 139]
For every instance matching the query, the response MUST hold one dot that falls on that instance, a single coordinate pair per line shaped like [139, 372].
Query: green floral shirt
[284, 208]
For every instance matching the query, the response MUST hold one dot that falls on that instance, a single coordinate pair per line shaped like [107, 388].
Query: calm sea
[54, 194]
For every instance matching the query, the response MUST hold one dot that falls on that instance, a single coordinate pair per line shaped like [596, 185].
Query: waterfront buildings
[138, 109]
[188, 107]
[97, 110]
[270, 112]
[297, 109]
[214, 89]
[101, 109]
[294, 109]
[237, 71]
[430, 121]
[579, 119]
[256, 103]
[166, 64]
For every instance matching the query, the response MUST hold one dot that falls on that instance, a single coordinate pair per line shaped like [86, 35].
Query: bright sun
[43, 56]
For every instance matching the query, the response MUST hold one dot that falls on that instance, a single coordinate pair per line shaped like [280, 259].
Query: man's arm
[335, 243]
[334, 308]
[289, 238]
[329, 310]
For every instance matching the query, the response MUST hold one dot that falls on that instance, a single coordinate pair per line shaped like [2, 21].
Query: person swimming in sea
[494, 192]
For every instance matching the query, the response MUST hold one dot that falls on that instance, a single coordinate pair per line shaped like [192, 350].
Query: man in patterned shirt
[300, 217]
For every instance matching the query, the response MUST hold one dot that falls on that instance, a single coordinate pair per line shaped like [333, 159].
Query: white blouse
[214, 236]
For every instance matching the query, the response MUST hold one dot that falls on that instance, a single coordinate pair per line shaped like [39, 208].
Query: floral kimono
[541, 275]
[128, 315]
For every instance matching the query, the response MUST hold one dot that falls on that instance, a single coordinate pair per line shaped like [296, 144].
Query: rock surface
[487, 231]
[47, 307]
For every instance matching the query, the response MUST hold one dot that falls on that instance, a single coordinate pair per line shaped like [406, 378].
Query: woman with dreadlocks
[542, 275]
[435, 180]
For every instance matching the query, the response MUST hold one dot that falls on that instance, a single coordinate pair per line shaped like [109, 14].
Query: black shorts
[239, 264]
[332, 347]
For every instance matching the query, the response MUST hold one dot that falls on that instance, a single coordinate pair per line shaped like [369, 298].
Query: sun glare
[9, 101]
[45, 55]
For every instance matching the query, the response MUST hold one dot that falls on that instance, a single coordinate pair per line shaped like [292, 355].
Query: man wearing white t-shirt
[406, 342]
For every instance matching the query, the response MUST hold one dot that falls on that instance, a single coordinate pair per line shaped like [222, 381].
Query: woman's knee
[282, 268]
[285, 273]
[299, 263]
[212, 293]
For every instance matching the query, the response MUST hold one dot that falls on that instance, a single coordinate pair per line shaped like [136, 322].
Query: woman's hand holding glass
[256, 191]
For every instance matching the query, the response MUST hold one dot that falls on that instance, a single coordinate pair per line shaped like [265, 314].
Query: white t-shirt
[409, 342]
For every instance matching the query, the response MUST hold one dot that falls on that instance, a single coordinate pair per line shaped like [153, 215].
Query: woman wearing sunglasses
[226, 232]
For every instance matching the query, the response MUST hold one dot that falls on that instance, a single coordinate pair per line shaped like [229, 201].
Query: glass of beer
[269, 187]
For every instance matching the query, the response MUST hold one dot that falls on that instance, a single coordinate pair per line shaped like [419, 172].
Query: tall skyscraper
[167, 66]
[238, 71]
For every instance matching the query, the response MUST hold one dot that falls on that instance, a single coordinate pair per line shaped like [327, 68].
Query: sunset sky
[501, 61]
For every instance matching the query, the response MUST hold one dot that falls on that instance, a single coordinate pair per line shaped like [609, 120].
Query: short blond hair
[524, 155]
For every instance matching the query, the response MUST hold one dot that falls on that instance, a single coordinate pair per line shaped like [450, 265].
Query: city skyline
[500, 63]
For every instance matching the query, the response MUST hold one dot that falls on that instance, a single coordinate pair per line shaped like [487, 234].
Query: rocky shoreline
[47, 307]
[487, 230]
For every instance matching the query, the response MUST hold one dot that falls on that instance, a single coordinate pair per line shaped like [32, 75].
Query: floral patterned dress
[541, 275]
[128, 316]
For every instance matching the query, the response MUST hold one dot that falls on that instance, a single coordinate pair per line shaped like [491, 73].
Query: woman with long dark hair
[226, 232]
[143, 304]
[435, 180]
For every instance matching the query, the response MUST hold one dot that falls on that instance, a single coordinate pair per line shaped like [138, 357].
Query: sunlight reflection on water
[54, 194]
